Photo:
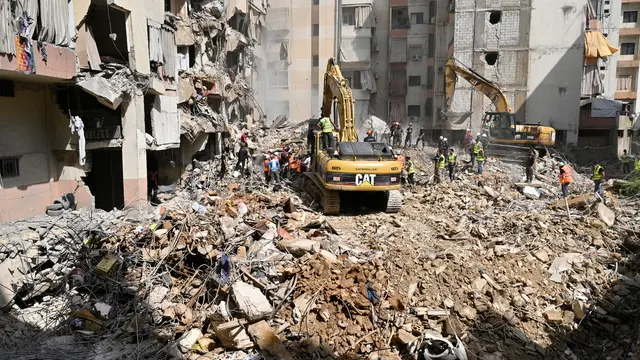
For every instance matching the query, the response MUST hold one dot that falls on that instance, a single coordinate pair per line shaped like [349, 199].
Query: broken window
[106, 35]
[349, 16]
[413, 110]
[354, 78]
[45, 21]
[415, 80]
[400, 18]
[628, 49]
[417, 18]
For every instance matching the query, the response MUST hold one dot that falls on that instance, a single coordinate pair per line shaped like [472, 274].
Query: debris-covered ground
[234, 269]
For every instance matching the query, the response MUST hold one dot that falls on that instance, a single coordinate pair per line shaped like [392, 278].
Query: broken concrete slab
[553, 316]
[156, 87]
[252, 303]
[531, 192]
[405, 337]
[299, 247]
[189, 339]
[232, 335]
[267, 340]
[606, 215]
[101, 89]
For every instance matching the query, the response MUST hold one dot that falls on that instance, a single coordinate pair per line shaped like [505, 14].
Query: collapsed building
[102, 95]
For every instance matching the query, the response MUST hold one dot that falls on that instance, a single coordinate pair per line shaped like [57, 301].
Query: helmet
[369, 132]
[562, 163]
[410, 124]
[468, 130]
[445, 139]
[484, 135]
[441, 138]
[478, 134]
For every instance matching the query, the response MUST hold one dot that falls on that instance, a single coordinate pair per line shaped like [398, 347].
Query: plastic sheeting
[605, 107]
[596, 45]
[7, 29]
[155, 42]
[54, 15]
[368, 81]
[355, 50]
[591, 81]
[165, 122]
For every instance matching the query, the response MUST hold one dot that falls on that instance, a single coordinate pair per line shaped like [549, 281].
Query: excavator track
[511, 153]
[328, 199]
[394, 201]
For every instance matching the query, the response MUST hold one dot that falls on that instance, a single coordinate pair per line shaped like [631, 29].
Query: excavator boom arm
[479, 82]
[336, 86]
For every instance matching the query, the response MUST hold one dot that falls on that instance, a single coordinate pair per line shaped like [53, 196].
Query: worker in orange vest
[294, 165]
[566, 178]
[266, 167]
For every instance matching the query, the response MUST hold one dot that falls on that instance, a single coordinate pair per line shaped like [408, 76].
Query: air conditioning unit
[375, 48]
[440, 69]
[415, 57]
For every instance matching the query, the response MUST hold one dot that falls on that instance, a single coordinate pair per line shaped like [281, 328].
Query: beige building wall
[627, 84]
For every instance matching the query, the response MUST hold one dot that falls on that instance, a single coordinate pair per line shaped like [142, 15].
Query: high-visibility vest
[480, 156]
[292, 163]
[266, 165]
[477, 147]
[596, 173]
[453, 158]
[566, 177]
[637, 167]
[325, 125]
[298, 166]
[410, 168]
[440, 163]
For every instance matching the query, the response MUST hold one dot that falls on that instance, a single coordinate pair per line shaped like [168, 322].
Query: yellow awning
[596, 45]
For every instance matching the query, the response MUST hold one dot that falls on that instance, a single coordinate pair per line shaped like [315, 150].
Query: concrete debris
[101, 89]
[531, 192]
[267, 340]
[606, 215]
[252, 303]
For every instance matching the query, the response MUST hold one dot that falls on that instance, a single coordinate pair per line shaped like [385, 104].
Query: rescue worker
[421, 137]
[292, 167]
[243, 158]
[530, 164]
[284, 161]
[476, 150]
[468, 136]
[598, 176]
[370, 137]
[326, 128]
[485, 141]
[398, 139]
[445, 146]
[566, 178]
[267, 175]
[407, 139]
[244, 136]
[274, 169]
[452, 162]
[439, 170]
[440, 139]
[392, 133]
[626, 161]
[411, 170]
[480, 160]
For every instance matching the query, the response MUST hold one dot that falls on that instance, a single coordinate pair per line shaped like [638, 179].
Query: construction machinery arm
[490, 89]
[335, 85]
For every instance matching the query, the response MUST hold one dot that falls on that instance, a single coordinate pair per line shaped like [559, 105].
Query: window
[428, 107]
[315, 29]
[630, 16]
[413, 110]
[415, 51]
[167, 5]
[415, 81]
[430, 75]
[349, 16]
[628, 49]
[10, 167]
[433, 8]
[354, 79]
[7, 88]
[316, 2]
[400, 18]
[316, 61]
[417, 18]
[279, 79]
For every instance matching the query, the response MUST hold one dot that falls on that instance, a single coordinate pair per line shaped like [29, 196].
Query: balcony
[631, 1]
[629, 31]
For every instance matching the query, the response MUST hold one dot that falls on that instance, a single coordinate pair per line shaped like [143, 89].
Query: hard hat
[410, 124]
[445, 139]
[478, 134]
[369, 132]
[484, 135]
[468, 130]
[441, 138]
[562, 163]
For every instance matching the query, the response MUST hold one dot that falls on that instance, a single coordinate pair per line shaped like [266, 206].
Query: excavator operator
[326, 128]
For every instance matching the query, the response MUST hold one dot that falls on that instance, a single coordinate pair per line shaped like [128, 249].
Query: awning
[596, 45]
[603, 108]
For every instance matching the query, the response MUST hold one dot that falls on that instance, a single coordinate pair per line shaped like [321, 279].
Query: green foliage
[631, 188]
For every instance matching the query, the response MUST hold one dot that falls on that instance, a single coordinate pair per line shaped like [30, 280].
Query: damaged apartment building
[100, 96]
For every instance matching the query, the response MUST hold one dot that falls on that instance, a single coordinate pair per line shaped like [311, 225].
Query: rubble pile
[228, 268]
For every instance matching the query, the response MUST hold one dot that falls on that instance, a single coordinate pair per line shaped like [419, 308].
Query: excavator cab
[499, 125]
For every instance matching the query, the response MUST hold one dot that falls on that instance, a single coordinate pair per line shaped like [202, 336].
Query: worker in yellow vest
[480, 160]
[411, 170]
[598, 177]
[477, 146]
[326, 129]
[452, 163]
[626, 161]
[439, 170]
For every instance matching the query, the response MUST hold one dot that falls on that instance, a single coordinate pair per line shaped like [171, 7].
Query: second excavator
[507, 137]
[349, 168]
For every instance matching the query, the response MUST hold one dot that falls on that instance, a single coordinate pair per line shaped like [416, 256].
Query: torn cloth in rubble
[76, 125]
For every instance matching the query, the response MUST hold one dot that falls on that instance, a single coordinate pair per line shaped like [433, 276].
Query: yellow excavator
[506, 136]
[366, 173]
